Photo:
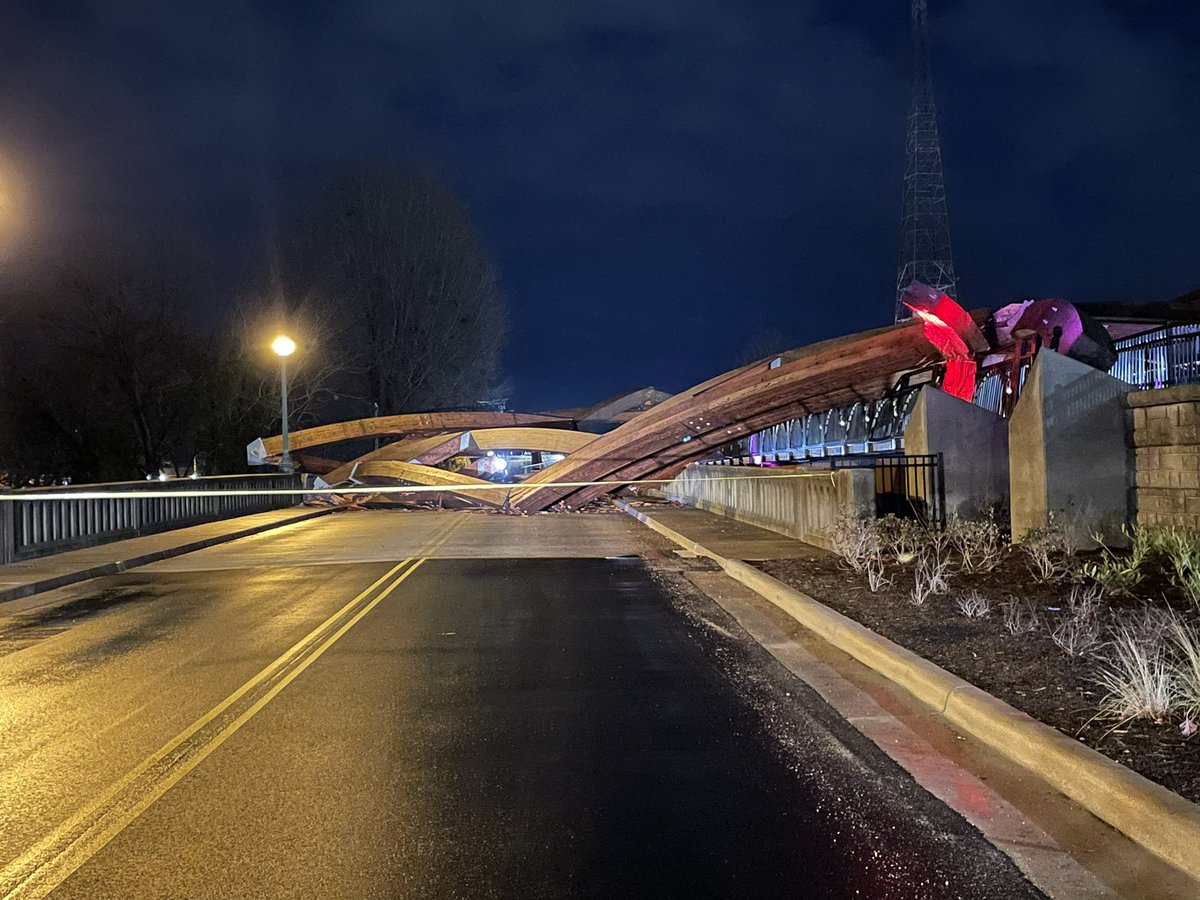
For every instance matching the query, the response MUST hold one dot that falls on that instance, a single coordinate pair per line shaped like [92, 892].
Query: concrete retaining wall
[801, 503]
[1166, 440]
[1068, 451]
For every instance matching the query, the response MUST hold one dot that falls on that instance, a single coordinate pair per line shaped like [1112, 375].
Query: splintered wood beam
[263, 450]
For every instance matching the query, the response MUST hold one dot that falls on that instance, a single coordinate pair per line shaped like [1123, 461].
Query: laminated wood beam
[687, 426]
[268, 449]
[546, 440]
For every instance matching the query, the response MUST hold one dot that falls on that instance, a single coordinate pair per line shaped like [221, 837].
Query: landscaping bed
[1028, 669]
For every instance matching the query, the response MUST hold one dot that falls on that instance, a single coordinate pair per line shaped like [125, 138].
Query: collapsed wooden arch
[429, 451]
[666, 437]
[690, 425]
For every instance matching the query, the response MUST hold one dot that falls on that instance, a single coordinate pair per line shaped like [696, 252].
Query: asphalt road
[455, 705]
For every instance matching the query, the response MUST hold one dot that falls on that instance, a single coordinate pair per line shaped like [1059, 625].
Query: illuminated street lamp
[284, 347]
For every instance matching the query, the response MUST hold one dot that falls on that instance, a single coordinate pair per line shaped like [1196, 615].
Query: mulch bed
[1027, 671]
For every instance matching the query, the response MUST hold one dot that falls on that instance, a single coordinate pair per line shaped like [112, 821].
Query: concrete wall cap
[1184, 393]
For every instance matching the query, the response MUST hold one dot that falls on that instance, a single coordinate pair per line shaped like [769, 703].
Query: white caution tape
[365, 489]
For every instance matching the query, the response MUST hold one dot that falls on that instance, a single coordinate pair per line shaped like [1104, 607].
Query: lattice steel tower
[924, 227]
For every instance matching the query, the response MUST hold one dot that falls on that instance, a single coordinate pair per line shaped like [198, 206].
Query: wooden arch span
[268, 450]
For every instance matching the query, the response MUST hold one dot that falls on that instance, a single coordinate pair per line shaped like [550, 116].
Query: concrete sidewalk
[726, 537]
[22, 580]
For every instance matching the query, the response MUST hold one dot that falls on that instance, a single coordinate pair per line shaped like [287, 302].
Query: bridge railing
[1165, 357]
[31, 527]
[798, 501]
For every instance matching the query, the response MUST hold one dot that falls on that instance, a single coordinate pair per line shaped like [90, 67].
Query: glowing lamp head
[283, 346]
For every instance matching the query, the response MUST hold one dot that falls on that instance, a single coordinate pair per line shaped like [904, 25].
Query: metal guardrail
[30, 527]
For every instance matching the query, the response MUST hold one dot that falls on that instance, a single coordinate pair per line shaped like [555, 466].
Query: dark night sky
[659, 179]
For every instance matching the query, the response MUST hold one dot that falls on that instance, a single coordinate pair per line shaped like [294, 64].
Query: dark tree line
[383, 281]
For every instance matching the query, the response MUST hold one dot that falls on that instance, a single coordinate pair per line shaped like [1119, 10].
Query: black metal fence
[909, 487]
[31, 527]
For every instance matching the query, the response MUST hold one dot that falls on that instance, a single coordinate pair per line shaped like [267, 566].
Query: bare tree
[397, 260]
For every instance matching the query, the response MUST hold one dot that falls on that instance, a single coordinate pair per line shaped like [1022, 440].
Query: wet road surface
[480, 724]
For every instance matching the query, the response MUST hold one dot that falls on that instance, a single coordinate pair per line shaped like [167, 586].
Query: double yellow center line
[51, 861]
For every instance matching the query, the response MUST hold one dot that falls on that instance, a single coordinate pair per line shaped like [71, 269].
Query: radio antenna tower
[924, 226]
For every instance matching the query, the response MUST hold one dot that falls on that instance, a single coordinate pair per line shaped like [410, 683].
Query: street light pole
[285, 461]
[284, 347]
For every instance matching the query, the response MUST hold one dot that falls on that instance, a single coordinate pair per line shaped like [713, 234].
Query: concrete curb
[49, 584]
[1153, 816]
